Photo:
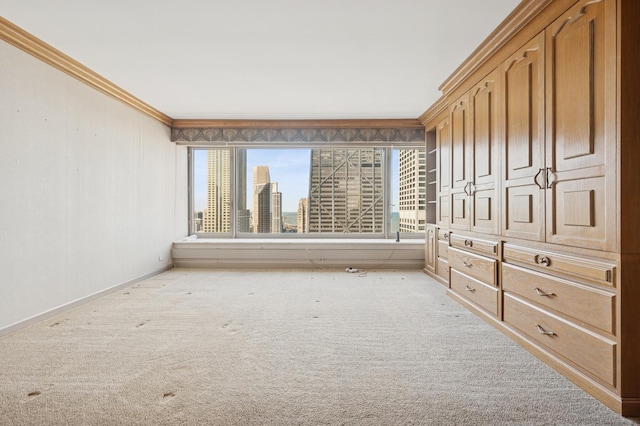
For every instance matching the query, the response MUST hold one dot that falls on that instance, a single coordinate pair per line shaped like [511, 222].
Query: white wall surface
[92, 192]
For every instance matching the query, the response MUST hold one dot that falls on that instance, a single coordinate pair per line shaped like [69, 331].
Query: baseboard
[12, 328]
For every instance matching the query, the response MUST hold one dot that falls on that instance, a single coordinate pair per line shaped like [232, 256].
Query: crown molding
[37, 48]
[402, 123]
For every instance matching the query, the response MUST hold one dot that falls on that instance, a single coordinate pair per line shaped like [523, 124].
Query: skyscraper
[261, 216]
[276, 209]
[412, 190]
[217, 216]
[303, 216]
[346, 190]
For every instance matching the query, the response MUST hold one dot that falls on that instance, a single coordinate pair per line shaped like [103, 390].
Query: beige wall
[92, 192]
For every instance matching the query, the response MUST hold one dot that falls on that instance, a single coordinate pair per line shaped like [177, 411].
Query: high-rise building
[303, 216]
[346, 191]
[217, 216]
[276, 209]
[412, 190]
[261, 215]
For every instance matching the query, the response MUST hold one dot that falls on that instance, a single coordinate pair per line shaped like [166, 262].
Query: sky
[288, 167]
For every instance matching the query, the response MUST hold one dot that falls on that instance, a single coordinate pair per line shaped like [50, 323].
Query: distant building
[261, 215]
[346, 191]
[412, 190]
[217, 216]
[276, 209]
[303, 216]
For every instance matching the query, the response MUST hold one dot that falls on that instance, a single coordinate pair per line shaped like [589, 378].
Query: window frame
[387, 232]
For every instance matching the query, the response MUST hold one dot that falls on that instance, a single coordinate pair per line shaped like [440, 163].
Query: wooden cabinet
[523, 208]
[430, 249]
[443, 143]
[475, 130]
[559, 181]
[549, 102]
[442, 267]
[581, 123]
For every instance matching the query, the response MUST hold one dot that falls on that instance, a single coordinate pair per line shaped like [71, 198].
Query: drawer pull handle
[542, 293]
[545, 332]
[467, 264]
[543, 260]
[468, 243]
[446, 235]
[472, 290]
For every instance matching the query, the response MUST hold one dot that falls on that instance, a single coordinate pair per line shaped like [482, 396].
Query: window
[308, 192]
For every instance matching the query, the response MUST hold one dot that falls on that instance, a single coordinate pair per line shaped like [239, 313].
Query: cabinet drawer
[475, 291]
[443, 269]
[474, 244]
[585, 304]
[443, 249]
[478, 267]
[598, 272]
[443, 235]
[590, 351]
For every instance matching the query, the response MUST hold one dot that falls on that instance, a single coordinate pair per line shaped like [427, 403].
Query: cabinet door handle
[551, 177]
[543, 260]
[537, 176]
[542, 293]
[545, 332]
[466, 264]
[472, 290]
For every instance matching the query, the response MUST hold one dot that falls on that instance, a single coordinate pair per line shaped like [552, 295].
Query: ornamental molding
[195, 136]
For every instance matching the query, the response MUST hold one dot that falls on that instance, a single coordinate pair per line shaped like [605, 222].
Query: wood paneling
[523, 213]
[580, 159]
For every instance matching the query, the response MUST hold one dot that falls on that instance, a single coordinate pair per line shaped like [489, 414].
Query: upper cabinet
[581, 126]
[443, 158]
[523, 207]
[559, 179]
[475, 141]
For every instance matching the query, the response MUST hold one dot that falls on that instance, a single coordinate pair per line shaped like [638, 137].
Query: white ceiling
[278, 59]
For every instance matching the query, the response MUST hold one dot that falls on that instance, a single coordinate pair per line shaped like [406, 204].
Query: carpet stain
[34, 393]
[142, 323]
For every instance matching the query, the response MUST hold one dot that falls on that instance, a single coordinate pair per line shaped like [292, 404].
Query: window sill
[299, 253]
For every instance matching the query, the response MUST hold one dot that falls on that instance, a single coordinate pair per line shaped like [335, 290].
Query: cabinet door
[443, 142]
[460, 163]
[524, 168]
[430, 250]
[485, 136]
[581, 89]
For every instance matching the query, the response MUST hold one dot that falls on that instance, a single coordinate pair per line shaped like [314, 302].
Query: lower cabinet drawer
[443, 249]
[585, 304]
[480, 267]
[479, 293]
[443, 269]
[589, 351]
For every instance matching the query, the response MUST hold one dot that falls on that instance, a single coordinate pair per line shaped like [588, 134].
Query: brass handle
[468, 243]
[535, 179]
[466, 264]
[551, 177]
[543, 260]
[472, 290]
[542, 293]
[545, 332]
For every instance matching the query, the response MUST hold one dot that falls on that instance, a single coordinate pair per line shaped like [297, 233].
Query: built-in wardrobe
[533, 199]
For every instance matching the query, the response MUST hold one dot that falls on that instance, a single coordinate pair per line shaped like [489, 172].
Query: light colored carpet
[320, 347]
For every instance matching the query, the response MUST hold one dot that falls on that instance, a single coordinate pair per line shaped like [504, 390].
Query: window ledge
[297, 253]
